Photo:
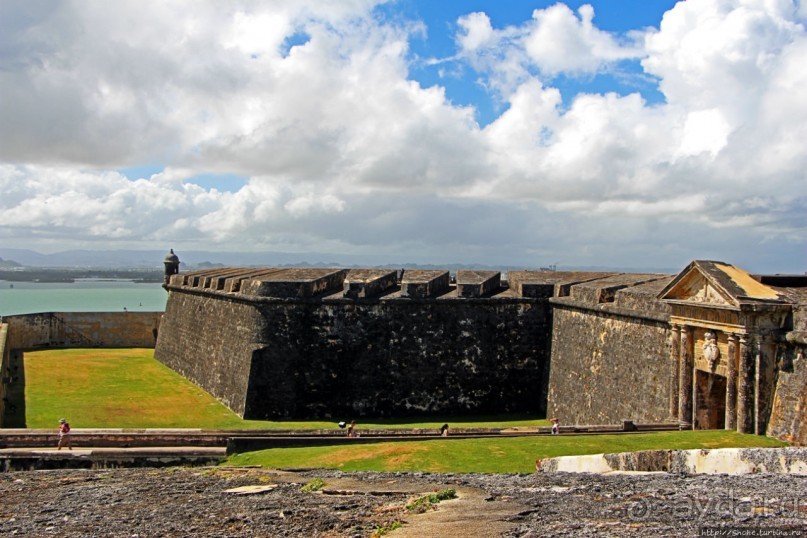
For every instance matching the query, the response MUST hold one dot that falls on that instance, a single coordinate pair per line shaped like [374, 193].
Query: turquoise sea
[83, 295]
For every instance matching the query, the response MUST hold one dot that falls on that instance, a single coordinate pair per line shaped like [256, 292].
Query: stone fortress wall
[83, 329]
[589, 348]
[70, 329]
[609, 337]
[636, 347]
[328, 343]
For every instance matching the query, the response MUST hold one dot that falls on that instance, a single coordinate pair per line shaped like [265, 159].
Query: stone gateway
[711, 347]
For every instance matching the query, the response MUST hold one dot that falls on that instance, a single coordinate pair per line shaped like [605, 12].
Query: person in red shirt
[64, 434]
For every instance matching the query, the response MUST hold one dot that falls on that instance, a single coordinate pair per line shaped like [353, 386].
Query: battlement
[365, 283]
[477, 283]
[387, 284]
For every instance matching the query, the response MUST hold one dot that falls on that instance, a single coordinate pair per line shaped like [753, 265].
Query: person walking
[64, 434]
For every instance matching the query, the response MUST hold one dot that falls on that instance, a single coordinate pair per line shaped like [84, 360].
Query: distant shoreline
[69, 276]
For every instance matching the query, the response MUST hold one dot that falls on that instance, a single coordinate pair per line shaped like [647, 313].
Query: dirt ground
[197, 502]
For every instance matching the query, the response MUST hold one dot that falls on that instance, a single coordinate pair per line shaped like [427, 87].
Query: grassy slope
[501, 455]
[127, 388]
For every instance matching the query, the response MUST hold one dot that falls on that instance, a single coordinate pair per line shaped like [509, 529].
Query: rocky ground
[195, 502]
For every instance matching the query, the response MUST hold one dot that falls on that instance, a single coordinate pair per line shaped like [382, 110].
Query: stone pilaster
[744, 387]
[731, 383]
[686, 365]
[675, 358]
[758, 366]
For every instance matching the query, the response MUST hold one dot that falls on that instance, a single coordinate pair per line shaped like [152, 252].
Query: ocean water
[84, 295]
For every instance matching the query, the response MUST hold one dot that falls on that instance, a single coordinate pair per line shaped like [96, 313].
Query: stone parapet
[293, 283]
[366, 283]
[644, 297]
[544, 284]
[424, 284]
[610, 308]
[477, 283]
[603, 290]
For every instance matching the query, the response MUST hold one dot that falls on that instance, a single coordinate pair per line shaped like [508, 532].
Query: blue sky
[519, 133]
[440, 20]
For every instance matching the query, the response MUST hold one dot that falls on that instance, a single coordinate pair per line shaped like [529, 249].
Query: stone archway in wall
[707, 371]
[710, 401]
[725, 327]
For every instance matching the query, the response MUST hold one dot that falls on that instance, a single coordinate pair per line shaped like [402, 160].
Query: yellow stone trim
[752, 288]
[706, 324]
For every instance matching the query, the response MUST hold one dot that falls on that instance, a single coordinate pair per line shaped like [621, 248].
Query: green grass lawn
[127, 388]
[500, 455]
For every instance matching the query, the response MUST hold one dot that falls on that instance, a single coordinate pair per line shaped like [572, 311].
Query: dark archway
[710, 400]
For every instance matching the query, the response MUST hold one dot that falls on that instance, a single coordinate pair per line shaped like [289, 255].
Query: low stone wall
[83, 329]
[731, 461]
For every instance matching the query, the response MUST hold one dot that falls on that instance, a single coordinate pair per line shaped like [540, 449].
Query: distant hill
[9, 264]
[200, 259]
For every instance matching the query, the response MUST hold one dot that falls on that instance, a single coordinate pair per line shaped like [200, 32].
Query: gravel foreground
[193, 502]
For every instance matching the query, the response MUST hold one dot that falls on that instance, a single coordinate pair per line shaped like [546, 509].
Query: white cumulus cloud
[315, 105]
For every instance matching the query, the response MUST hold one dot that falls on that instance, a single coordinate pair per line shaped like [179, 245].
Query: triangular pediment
[698, 289]
[694, 285]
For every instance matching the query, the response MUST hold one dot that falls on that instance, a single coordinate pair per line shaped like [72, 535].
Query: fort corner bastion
[711, 347]
[282, 343]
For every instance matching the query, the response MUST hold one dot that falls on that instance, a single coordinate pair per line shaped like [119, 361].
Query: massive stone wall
[607, 368]
[308, 342]
[469, 356]
[342, 357]
[211, 341]
[83, 329]
[610, 358]
[595, 348]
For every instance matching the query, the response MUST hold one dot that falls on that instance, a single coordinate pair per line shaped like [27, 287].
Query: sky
[637, 133]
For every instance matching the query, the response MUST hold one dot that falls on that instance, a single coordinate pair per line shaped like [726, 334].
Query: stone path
[182, 502]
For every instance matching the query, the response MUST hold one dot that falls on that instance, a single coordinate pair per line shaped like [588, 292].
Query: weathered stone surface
[603, 290]
[424, 284]
[292, 283]
[367, 283]
[477, 283]
[728, 461]
[210, 341]
[193, 502]
[87, 329]
[5, 371]
[543, 284]
[644, 297]
[319, 346]
[789, 410]
[337, 357]
[606, 367]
